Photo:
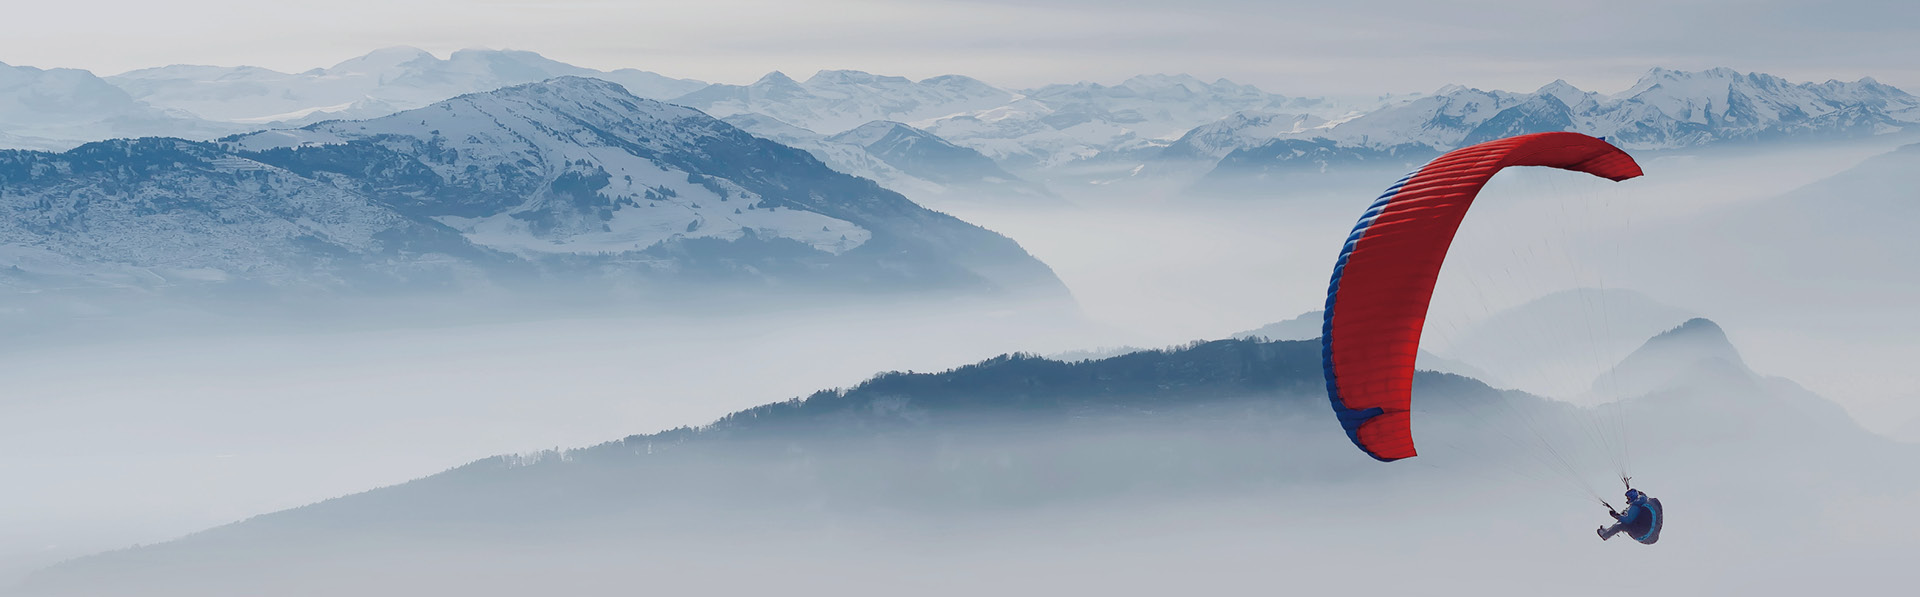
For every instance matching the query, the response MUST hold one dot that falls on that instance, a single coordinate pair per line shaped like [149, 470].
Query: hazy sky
[1285, 47]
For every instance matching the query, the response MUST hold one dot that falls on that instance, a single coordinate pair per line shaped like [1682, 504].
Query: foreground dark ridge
[1010, 436]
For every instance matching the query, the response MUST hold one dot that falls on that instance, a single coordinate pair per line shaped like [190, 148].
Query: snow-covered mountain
[160, 212]
[569, 177]
[1666, 109]
[58, 109]
[833, 101]
[851, 159]
[928, 157]
[1165, 106]
[1239, 130]
[1026, 131]
[380, 83]
[1669, 108]
[1061, 125]
[899, 157]
[1028, 135]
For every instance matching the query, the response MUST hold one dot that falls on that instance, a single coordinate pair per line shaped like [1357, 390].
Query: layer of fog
[122, 441]
[1497, 543]
[1171, 268]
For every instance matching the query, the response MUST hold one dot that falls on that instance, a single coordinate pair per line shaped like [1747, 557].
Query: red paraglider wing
[1377, 301]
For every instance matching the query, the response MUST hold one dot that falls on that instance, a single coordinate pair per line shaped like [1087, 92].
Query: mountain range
[1066, 127]
[568, 179]
[1035, 133]
[1665, 110]
[1147, 127]
[377, 84]
[832, 101]
[58, 109]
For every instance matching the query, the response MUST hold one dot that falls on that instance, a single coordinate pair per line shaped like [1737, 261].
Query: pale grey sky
[1286, 47]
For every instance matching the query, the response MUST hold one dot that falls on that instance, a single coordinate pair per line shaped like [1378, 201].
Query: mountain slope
[576, 166]
[166, 212]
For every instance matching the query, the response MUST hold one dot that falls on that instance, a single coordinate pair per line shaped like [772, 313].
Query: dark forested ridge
[1011, 436]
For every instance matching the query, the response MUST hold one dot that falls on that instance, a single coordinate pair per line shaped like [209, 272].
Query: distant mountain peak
[1698, 327]
[398, 52]
[832, 101]
[867, 133]
[1164, 79]
[1696, 345]
[1561, 90]
[1306, 326]
[481, 51]
[574, 82]
[1718, 72]
[381, 59]
[853, 77]
[1558, 87]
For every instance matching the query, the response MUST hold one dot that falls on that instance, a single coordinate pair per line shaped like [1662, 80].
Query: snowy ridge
[379, 83]
[567, 129]
[58, 109]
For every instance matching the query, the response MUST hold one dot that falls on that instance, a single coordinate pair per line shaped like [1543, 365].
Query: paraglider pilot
[1641, 521]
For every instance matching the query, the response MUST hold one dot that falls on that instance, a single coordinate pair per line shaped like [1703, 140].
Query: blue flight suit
[1641, 521]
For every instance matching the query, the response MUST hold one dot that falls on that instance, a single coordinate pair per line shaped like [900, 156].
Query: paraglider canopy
[1384, 278]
